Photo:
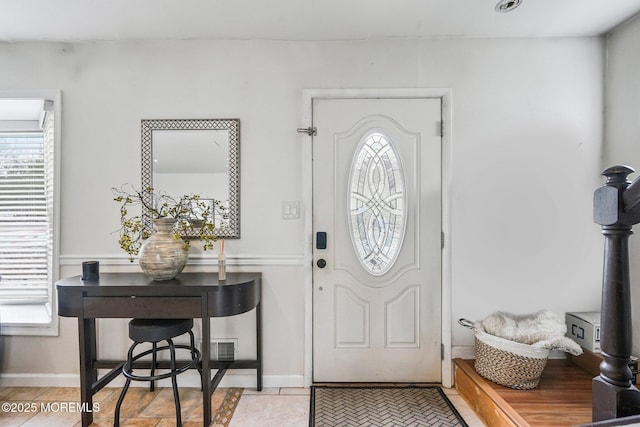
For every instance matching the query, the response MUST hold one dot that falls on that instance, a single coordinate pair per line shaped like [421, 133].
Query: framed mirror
[195, 156]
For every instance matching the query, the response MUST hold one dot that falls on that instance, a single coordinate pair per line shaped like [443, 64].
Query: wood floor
[563, 397]
[56, 406]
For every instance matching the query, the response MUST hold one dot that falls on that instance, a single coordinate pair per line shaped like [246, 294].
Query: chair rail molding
[234, 260]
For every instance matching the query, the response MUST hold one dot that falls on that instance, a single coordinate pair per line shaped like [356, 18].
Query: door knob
[321, 263]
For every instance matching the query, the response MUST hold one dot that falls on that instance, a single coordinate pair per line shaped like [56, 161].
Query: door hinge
[441, 351]
[442, 240]
[311, 131]
[440, 128]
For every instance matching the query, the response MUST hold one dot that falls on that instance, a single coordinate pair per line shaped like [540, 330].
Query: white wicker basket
[512, 364]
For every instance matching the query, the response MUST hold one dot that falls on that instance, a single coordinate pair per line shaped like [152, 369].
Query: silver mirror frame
[231, 229]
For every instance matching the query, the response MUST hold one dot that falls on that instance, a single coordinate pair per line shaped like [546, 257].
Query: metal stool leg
[116, 416]
[174, 382]
[154, 347]
[194, 356]
[127, 365]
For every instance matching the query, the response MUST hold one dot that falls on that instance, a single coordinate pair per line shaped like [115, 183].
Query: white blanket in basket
[543, 329]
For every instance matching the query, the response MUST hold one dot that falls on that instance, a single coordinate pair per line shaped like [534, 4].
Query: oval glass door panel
[377, 203]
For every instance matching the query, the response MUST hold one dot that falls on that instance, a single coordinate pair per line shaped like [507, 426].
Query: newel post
[613, 394]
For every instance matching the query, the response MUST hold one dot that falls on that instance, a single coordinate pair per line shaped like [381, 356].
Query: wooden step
[563, 397]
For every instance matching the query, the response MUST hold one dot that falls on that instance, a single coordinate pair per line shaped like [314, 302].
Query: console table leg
[259, 346]
[206, 367]
[88, 375]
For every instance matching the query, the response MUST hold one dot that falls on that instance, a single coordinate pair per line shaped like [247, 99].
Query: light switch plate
[291, 209]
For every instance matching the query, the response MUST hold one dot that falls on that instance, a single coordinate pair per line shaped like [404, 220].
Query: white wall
[527, 146]
[527, 142]
[622, 134]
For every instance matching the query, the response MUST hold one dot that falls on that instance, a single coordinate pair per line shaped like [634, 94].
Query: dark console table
[128, 295]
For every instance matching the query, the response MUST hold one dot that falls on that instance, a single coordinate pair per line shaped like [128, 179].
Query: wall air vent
[224, 349]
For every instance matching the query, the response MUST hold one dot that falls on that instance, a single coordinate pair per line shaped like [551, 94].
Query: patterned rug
[222, 416]
[333, 406]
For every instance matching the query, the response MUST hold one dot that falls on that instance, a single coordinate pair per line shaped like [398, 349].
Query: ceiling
[77, 20]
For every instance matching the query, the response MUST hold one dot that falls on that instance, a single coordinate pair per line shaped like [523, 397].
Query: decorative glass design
[377, 203]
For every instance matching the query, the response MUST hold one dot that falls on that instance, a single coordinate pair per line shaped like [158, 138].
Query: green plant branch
[189, 211]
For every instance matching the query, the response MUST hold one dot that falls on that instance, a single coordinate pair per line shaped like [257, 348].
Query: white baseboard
[463, 352]
[188, 379]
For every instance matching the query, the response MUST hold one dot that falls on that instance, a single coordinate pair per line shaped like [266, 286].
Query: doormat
[382, 406]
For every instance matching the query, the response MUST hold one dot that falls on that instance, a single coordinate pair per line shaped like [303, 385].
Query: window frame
[24, 315]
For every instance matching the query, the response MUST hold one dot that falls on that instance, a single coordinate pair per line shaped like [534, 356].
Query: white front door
[377, 240]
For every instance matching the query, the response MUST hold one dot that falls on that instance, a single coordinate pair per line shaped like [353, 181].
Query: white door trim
[307, 187]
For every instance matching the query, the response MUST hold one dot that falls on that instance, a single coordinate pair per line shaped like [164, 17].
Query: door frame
[445, 94]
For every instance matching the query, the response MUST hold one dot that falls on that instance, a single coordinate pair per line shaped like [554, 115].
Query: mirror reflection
[177, 171]
[195, 157]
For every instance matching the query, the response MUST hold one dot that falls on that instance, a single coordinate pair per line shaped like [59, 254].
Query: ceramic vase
[162, 256]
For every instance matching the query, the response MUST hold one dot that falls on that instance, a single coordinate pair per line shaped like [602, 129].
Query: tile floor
[277, 407]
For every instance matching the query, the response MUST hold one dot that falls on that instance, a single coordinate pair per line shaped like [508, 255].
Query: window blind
[26, 215]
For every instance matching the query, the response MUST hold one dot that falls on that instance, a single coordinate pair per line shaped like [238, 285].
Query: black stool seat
[154, 330]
